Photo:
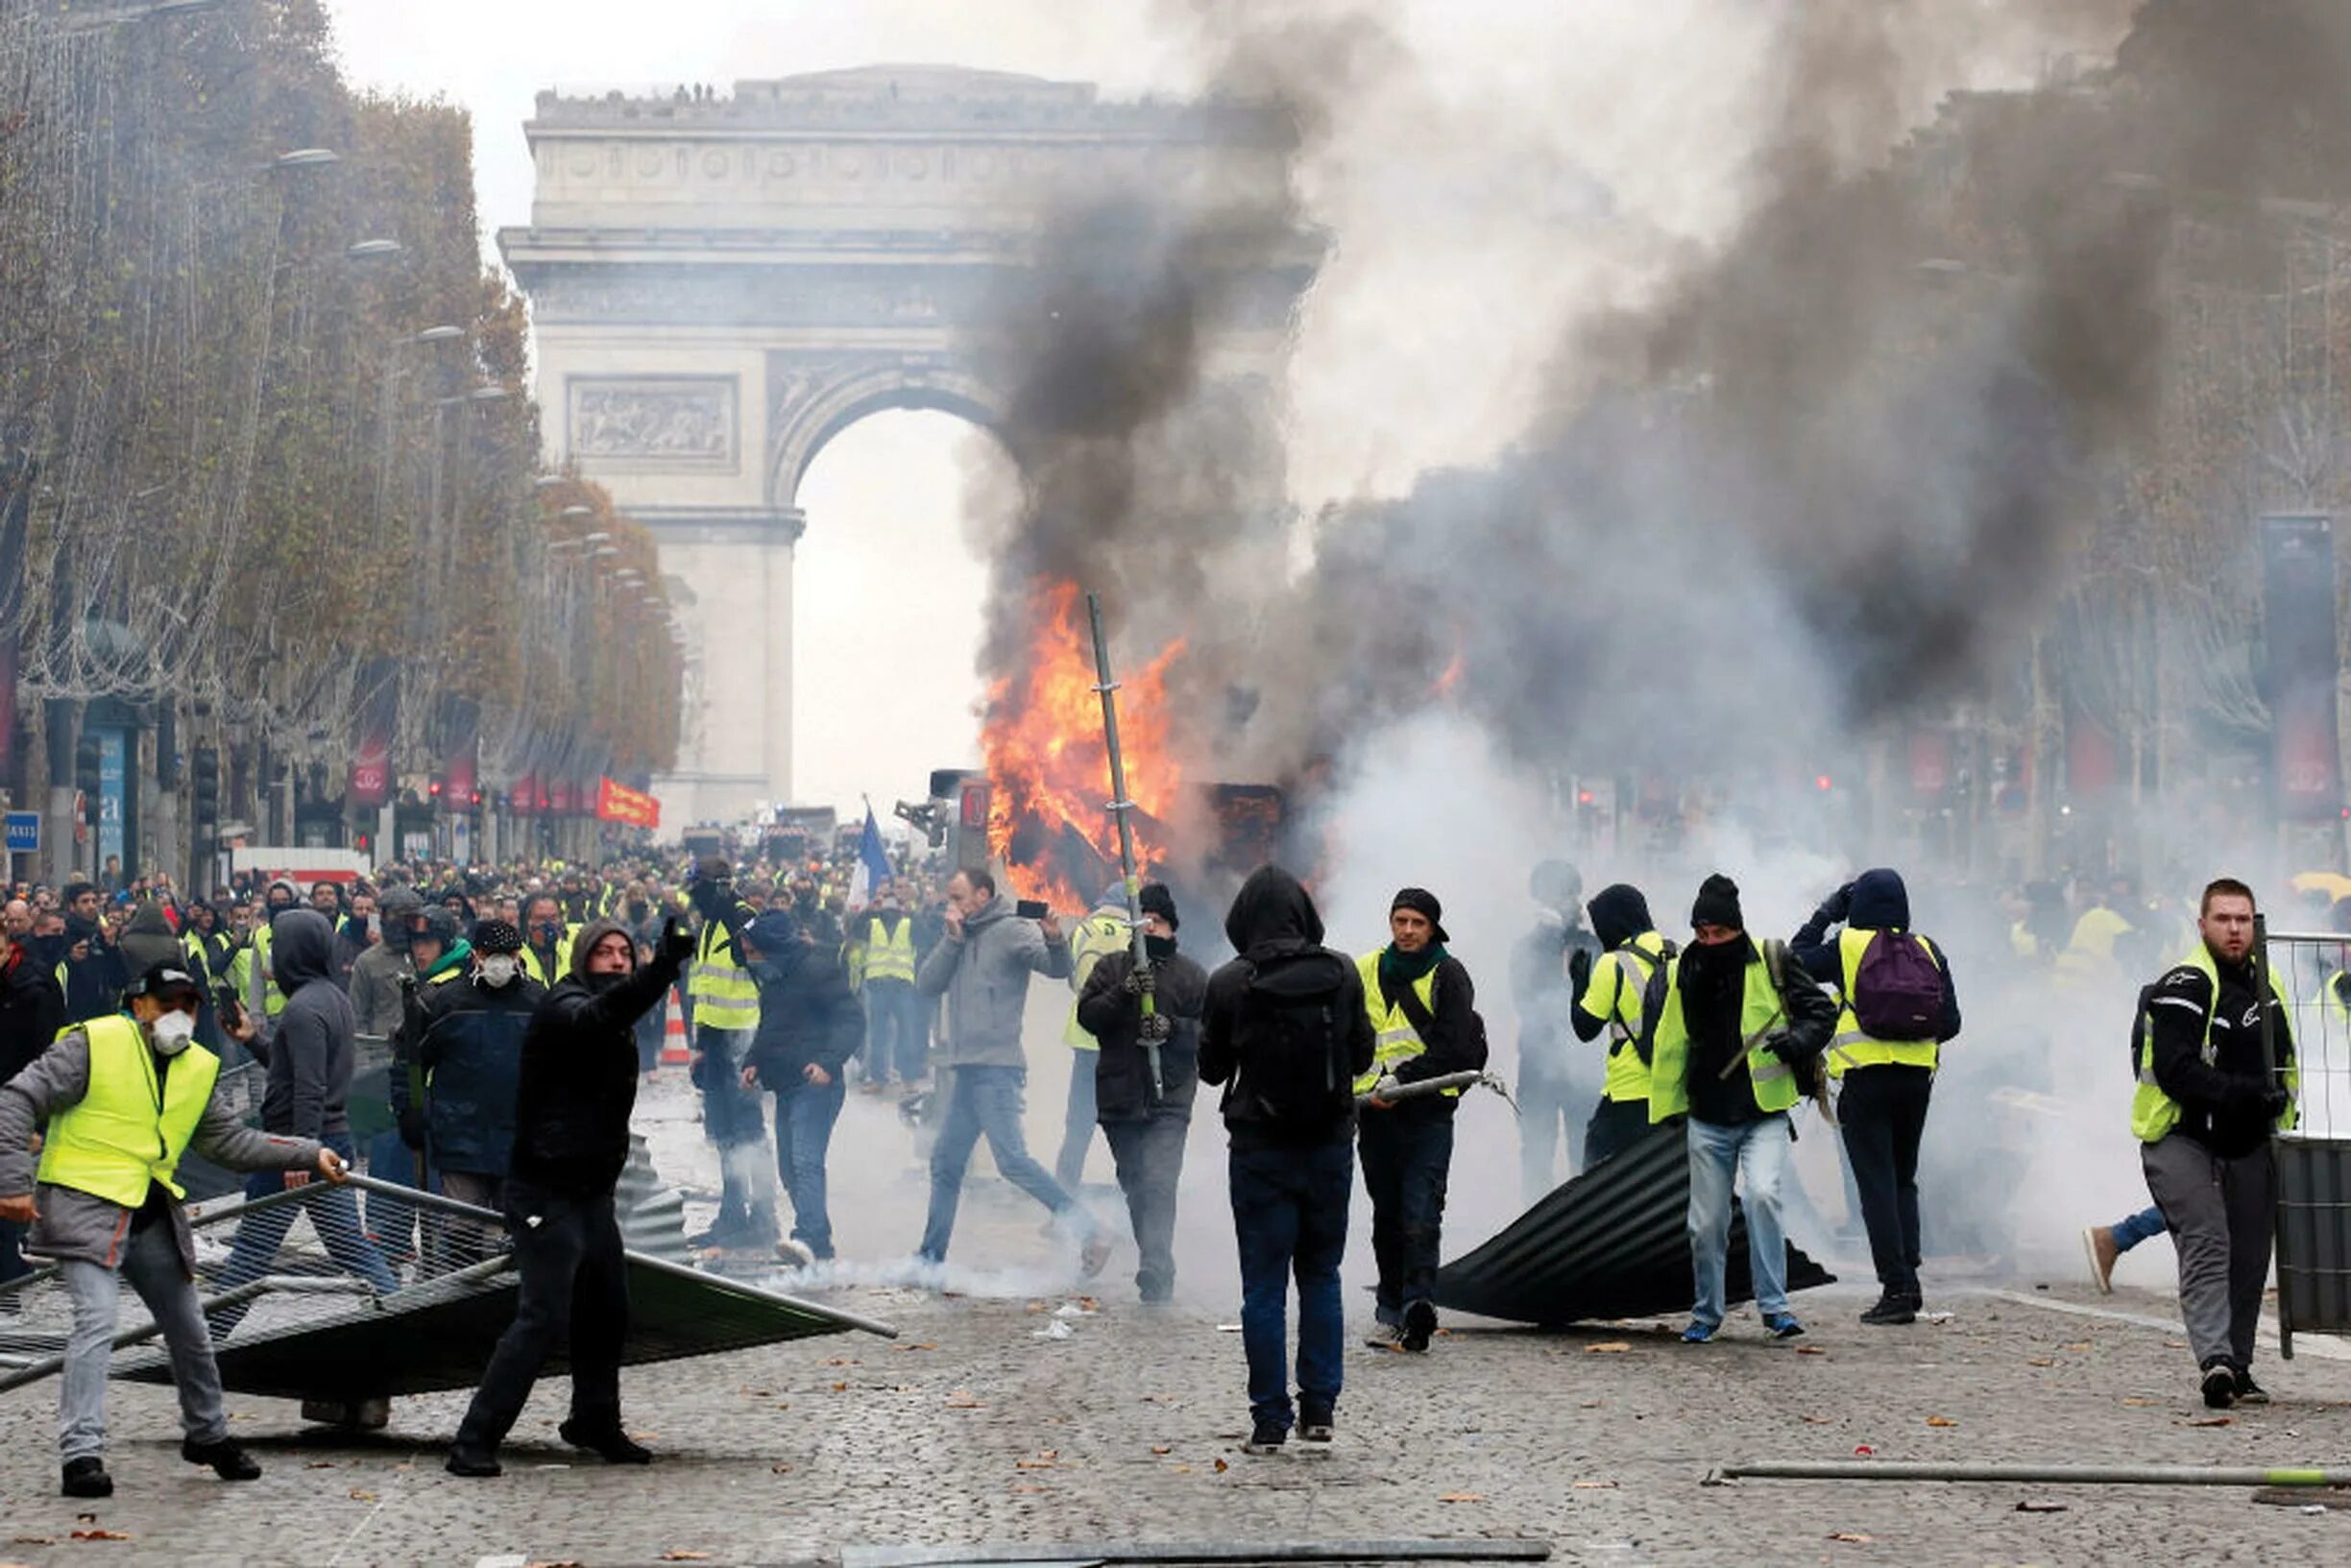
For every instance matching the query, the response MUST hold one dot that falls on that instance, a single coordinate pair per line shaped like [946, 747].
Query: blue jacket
[472, 1052]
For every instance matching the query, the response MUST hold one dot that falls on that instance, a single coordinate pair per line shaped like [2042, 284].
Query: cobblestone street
[984, 1423]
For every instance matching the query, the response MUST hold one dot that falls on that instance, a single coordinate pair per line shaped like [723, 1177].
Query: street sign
[24, 833]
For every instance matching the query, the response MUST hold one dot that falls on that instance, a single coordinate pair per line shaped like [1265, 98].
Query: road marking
[2315, 1346]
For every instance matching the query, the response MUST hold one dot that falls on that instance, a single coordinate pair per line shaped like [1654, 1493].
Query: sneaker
[1314, 1426]
[2219, 1386]
[1419, 1325]
[1385, 1336]
[472, 1461]
[2250, 1393]
[614, 1445]
[1892, 1311]
[2097, 1240]
[228, 1461]
[1698, 1333]
[1095, 1253]
[1781, 1325]
[1267, 1438]
[794, 1253]
[87, 1478]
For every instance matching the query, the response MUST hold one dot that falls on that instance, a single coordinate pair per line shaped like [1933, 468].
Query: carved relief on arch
[814, 397]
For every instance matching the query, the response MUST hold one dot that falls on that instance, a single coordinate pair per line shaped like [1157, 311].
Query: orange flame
[1049, 763]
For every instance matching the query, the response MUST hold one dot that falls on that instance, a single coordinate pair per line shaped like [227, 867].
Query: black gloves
[1786, 1048]
[1579, 969]
[1138, 981]
[678, 943]
[412, 1127]
[1837, 905]
[2274, 1101]
[1156, 1028]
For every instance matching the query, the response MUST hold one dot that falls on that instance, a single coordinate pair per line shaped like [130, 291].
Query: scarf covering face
[1713, 986]
[1400, 971]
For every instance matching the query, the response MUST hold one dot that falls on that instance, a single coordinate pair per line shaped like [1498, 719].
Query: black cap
[1718, 903]
[1156, 900]
[496, 936]
[158, 981]
[1424, 901]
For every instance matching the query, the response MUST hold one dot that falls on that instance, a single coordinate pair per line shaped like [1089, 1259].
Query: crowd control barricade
[2314, 1159]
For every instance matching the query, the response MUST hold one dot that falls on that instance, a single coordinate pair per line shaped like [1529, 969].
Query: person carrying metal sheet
[1730, 1039]
[122, 1099]
[1423, 1012]
[1612, 1000]
[2208, 1099]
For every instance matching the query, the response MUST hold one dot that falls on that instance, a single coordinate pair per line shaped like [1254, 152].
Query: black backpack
[1294, 1066]
[1653, 994]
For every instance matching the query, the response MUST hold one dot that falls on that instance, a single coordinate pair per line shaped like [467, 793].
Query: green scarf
[460, 951]
[1407, 968]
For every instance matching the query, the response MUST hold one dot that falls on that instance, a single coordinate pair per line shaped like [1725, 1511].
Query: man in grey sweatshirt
[981, 967]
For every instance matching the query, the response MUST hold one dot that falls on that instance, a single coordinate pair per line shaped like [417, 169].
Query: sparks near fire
[1049, 767]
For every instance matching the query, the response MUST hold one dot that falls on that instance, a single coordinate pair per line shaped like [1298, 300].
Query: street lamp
[549, 481]
[437, 334]
[575, 513]
[371, 250]
[305, 158]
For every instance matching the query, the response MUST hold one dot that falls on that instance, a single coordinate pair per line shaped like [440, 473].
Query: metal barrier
[2312, 971]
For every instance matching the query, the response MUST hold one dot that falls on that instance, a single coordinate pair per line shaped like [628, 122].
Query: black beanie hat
[1156, 900]
[1426, 902]
[1718, 903]
[496, 936]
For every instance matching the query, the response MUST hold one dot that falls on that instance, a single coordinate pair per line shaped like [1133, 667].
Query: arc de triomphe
[720, 284]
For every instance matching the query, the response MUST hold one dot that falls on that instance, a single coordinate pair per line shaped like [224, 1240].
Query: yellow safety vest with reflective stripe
[2154, 1113]
[537, 971]
[1760, 1013]
[1397, 1041]
[241, 970]
[724, 995]
[1851, 1046]
[889, 954]
[1099, 933]
[124, 1133]
[1613, 995]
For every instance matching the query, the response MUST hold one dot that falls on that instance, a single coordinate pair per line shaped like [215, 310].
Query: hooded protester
[32, 1011]
[1613, 1002]
[577, 1088]
[1146, 1119]
[725, 1015]
[1285, 1029]
[310, 1060]
[91, 971]
[375, 974]
[103, 1203]
[1898, 1008]
[1550, 967]
[1423, 1012]
[810, 1029]
[148, 939]
[1734, 1030]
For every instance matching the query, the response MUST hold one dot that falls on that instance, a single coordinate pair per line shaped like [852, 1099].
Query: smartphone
[1032, 909]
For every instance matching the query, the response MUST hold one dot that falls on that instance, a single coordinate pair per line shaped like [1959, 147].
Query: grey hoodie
[310, 1055]
[983, 974]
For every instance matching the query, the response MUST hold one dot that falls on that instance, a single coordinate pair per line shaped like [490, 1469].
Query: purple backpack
[1897, 989]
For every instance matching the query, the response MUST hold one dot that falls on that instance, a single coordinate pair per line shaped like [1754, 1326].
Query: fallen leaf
[1592, 1486]
[1865, 1451]
[2138, 1399]
[840, 1387]
[1854, 1537]
[358, 1496]
[2080, 1346]
[779, 1469]
[1222, 1466]
[1820, 1420]
[1037, 1464]
[1463, 1497]
[1608, 1347]
[1941, 1421]
[320, 1464]
[903, 1348]
[684, 1556]
[1184, 1469]
[2041, 1360]
[2212, 1421]
[1810, 1350]
[1032, 1491]
[2175, 1344]
[1160, 1448]
[32, 1540]
[102, 1536]
[843, 1361]
[2029, 1506]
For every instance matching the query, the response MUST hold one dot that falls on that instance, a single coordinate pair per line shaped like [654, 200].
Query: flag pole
[1154, 1027]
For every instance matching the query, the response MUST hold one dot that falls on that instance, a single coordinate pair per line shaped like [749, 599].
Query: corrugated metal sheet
[1613, 1242]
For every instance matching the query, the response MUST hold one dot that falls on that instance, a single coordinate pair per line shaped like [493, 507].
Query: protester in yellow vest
[2211, 1093]
[726, 1014]
[896, 1027]
[1105, 931]
[1611, 1002]
[122, 1099]
[1732, 1031]
[547, 938]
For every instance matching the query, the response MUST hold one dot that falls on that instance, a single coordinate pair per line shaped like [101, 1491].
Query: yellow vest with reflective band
[1852, 1047]
[1397, 1040]
[889, 955]
[1099, 933]
[1613, 995]
[241, 967]
[123, 1134]
[537, 971]
[724, 995]
[1760, 1014]
[2154, 1113]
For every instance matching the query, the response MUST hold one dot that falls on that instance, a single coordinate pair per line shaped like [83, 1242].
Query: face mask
[1160, 948]
[172, 1032]
[499, 969]
[548, 930]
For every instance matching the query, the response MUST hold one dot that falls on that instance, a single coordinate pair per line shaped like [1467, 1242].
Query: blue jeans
[897, 1032]
[1759, 1152]
[1077, 1120]
[1407, 1155]
[985, 1101]
[2129, 1233]
[1290, 1216]
[334, 1212]
[805, 1115]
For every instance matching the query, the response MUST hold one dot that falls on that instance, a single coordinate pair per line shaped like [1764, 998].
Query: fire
[1049, 763]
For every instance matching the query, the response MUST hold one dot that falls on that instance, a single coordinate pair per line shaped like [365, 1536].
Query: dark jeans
[735, 1123]
[897, 1032]
[573, 1286]
[1882, 1112]
[1077, 1120]
[1407, 1155]
[1290, 1216]
[1150, 1157]
[335, 1214]
[392, 1224]
[804, 1119]
[12, 1264]
[652, 1029]
[985, 1101]
[1615, 1126]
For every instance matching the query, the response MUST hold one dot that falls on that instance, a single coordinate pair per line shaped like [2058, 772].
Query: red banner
[617, 803]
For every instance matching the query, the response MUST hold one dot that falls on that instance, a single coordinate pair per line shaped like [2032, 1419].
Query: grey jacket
[375, 989]
[983, 974]
[312, 1053]
[82, 1226]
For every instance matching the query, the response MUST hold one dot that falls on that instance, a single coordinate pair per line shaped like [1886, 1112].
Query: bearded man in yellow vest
[2209, 1096]
[121, 1099]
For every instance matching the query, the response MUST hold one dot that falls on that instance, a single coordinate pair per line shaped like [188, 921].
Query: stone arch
[814, 403]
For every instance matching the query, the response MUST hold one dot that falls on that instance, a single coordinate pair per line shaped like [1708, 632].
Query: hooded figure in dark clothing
[1550, 967]
[309, 1065]
[1614, 1000]
[1285, 1030]
[809, 1025]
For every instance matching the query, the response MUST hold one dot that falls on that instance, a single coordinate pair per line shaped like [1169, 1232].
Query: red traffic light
[1583, 797]
[1823, 784]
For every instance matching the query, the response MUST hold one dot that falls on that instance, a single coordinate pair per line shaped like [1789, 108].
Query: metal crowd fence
[2313, 973]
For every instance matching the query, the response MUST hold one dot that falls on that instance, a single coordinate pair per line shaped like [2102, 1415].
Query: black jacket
[471, 1048]
[578, 1082]
[1876, 901]
[807, 1016]
[1122, 1071]
[2220, 1102]
[1275, 928]
[32, 1011]
[94, 981]
[311, 1049]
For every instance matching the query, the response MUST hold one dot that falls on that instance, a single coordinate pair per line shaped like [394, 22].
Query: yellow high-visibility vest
[2154, 1113]
[724, 995]
[1853, 1046]
[889, 954]
[1613, 995]
[1397, 1041]
[1760, 1007]
[126, 1133]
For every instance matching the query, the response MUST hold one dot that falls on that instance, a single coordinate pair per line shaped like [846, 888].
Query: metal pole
[1119, 806]
[2043, 1475]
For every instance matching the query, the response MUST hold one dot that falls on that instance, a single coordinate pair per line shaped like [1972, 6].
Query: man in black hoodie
[808, 1028]
[1285, 1030]
[310, 1058]
[1146, 1122]
[571, 1143]
[1881, 1107]
[1423, 1014]
[1615, 999]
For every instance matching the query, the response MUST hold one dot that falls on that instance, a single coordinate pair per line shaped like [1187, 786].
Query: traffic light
[85, 764]
[206, 762]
